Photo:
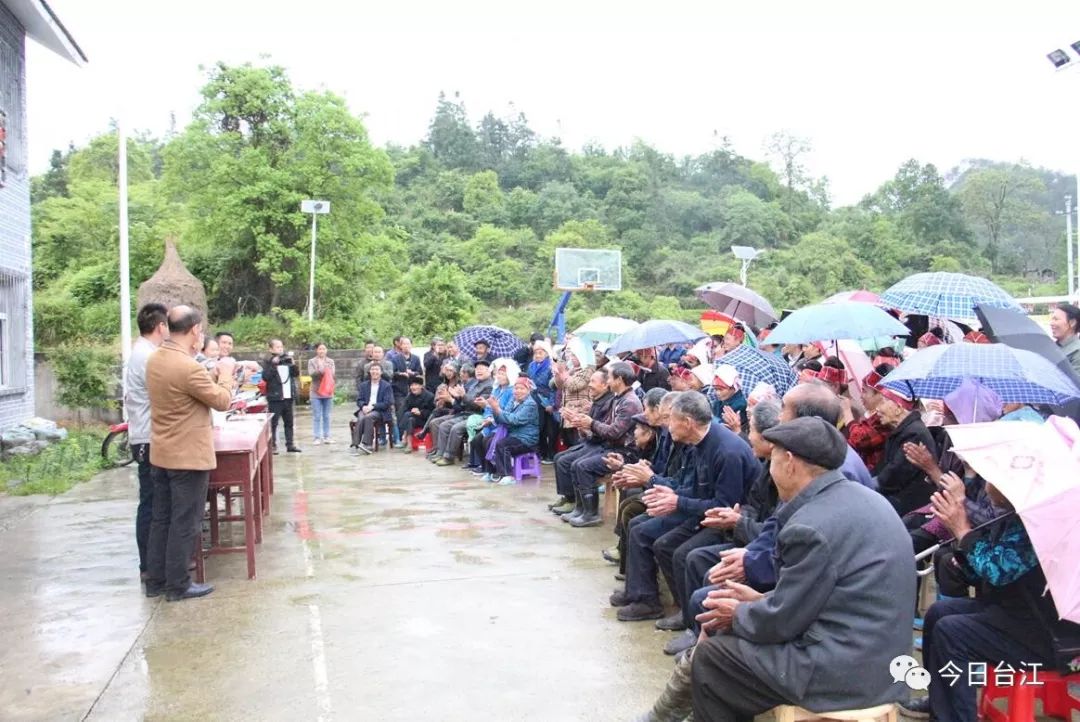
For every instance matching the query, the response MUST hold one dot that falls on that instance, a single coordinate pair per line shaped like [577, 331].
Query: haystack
[173, 283]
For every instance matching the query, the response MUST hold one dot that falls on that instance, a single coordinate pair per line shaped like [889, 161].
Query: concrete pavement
[388, 589]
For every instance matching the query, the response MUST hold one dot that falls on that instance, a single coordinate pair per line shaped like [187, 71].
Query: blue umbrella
[502, 343]
[833, 321]
[1016, 375]
[655, 333]
[946, 295]
[755, 366]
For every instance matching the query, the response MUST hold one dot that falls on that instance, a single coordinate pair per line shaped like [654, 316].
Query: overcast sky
[869, 86]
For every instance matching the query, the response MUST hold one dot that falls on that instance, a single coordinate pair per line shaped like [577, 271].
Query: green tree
[997, 203]
[253, 151]
[432, 299]
[450, 136]
[483, 199]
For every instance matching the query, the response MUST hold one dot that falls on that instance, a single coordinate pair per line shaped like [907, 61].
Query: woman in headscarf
[729, 406]
[571, 376]
[930, 338]
[898, 480]
[481, 426]
[869, 434]
[540, 372]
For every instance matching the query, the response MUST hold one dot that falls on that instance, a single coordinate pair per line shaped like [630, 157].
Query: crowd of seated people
[784, 528]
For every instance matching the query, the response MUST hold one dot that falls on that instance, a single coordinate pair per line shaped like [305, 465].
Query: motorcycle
[116, 450]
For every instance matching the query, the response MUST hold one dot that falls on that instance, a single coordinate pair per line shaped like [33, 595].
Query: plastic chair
[1049, 687]
[527, 464]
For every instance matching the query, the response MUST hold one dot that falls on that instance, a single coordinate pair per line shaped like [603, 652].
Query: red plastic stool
[428, 443]
[1052, 689]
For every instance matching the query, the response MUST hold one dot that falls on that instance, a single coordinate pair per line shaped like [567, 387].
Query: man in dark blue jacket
[718, 470]
[406, 367]
[375, 404]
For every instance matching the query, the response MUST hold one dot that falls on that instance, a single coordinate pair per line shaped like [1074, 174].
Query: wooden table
[244, 462]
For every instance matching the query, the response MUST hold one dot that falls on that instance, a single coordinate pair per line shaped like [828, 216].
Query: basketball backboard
[588, 269]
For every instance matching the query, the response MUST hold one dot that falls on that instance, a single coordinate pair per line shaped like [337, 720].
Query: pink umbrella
[860, 296]
[1037, 467]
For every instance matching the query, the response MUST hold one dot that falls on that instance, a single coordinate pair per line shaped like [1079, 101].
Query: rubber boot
[579, 508]
[591, 516]
[676, 701]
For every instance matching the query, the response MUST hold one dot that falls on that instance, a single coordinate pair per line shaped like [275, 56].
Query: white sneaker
[506, 481]
[317, 442]
[328, 440]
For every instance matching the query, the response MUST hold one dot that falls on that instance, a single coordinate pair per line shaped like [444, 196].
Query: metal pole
[1076, 287]
[742, 271]
[125, 273]
[1068, 242]
[311, 278]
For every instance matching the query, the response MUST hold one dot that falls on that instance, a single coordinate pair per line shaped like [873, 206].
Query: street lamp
[746, 254]
[315, 208]
[1061, 60]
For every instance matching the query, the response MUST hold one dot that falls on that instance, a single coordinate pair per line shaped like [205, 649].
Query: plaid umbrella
[737, 301]
[755, 366]
[1016, 375]
[946, 295]
[501, 342]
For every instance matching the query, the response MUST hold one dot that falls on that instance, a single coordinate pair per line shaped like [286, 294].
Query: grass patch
[57, 468]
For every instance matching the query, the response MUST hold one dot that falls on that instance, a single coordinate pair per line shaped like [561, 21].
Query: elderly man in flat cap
[824, 636]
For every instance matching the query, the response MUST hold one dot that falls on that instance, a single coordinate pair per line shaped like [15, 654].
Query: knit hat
[812, 439]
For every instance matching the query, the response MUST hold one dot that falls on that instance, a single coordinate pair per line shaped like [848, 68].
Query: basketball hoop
[589, 286]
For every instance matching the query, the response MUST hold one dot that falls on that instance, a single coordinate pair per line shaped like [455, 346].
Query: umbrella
[948, 295]
[655, 333]
[861, 296]
[604, 328]
[1037, 468]
[500, 341]
[829, 321]
[739, 302]
[755, 366]
[1016, 375]
[1019, 331]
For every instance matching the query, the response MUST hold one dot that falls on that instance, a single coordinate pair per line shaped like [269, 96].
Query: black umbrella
[1013, 328]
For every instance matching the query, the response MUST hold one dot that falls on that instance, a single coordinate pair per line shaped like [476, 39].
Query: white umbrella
[604, 328]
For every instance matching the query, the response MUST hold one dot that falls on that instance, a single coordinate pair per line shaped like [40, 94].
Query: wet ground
[388, 589]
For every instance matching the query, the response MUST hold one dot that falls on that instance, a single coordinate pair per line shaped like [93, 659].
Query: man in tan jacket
[182, 392]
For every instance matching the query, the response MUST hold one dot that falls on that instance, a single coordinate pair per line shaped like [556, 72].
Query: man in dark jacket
[839, 612]
[615, 431]
[451, 434]
[407, 366]
[418, 407]
[375, 404]
[279, 371]
[718, 470]
[433, 361]
[903, 484]
[602, 399]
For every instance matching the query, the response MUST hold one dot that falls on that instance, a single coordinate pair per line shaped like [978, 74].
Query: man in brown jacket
[182, 392]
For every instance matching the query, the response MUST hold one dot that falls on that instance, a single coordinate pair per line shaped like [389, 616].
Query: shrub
[87, 376]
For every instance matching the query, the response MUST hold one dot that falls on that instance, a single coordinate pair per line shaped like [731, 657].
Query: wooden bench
[881, 713]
